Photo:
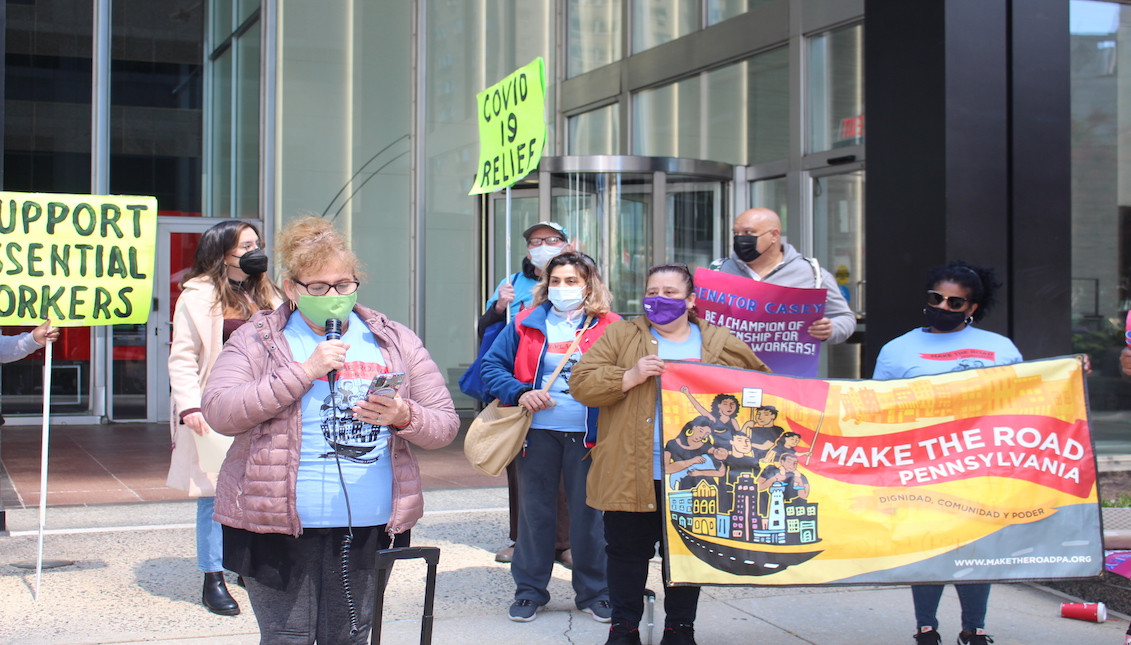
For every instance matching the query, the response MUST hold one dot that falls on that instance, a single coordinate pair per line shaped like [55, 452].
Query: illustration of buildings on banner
[777, 514]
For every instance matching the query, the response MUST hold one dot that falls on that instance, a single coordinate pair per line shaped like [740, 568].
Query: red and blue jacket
[513, 365]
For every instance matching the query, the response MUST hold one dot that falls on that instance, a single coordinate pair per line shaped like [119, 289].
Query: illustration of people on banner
[773, 320]
[774, 480]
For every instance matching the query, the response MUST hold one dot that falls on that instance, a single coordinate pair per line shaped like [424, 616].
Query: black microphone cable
[334, 332]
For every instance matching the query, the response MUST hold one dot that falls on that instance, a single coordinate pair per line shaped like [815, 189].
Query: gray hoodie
[796, 271]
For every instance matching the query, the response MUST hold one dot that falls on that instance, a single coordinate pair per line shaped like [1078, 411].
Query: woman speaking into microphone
[320, 476]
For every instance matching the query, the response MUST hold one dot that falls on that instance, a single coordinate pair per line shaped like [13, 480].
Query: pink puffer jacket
[255, 394]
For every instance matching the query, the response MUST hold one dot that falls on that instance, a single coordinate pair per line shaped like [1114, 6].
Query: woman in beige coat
[225, 286]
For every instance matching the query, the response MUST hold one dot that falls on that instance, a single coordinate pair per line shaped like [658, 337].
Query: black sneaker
[523, 610]
[622, 634]
[927, 636]
[979, 637]
[601, 611]
[678, 635]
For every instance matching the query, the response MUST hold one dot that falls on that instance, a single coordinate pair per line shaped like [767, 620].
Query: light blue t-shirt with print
[690, 349]
[922, 353]
[523, 293]
[328, 426]
[567, 415]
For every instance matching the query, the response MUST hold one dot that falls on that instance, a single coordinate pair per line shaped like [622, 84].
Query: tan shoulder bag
[497, 434]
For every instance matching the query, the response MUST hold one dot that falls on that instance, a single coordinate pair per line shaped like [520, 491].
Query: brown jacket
[255, 394]
[620, 478]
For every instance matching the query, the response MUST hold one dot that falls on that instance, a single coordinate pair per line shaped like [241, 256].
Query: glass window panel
[838, 243]
[220, 175]
[524, 214]
[156, 105]
[47, 81]
[696, 210]
[836, 89]
[655, 22]
[737, 113]
[595, 132]
[594, 37]
[767, 106]
[222, 22]
[246, 8]
[610, 218]
[247, 124]
[1100, 36]
[668, 122]
[473, 44]
[771, 194]
[720, 10]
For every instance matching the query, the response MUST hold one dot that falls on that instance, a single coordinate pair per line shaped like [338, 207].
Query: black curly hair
[980, 282]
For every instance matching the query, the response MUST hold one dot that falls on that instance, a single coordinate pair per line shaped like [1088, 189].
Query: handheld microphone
[333, 332]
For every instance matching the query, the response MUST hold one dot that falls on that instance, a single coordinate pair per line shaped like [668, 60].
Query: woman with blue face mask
[571, 302]
[321, 473]
[618, 376]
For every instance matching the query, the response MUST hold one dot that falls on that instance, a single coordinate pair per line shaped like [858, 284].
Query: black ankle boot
[216, 597]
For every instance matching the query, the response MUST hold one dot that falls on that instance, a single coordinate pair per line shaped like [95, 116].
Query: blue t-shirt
[921, 353]
[523, 293]
[567, 415]
[363, 449]
[688, 350]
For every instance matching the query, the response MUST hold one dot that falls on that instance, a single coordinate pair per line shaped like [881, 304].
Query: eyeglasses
[552, 240]
[934, 298]
[321, 288]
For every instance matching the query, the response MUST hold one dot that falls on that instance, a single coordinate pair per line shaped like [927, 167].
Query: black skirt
[279, 561]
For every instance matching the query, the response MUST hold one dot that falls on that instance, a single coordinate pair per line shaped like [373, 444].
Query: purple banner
[774, 321]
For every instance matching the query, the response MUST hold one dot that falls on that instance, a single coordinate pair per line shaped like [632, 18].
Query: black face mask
[253, 262]
[942, 319]
[746, 247]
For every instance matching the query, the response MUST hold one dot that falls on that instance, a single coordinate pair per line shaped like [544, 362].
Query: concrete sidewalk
[134, 580]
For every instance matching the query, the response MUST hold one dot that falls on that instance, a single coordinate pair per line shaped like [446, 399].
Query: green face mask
[319, 309]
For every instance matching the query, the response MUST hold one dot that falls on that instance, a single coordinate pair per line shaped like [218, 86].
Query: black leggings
[631, 540]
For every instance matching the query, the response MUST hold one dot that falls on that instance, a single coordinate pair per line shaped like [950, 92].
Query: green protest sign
[80, 260]
[512, 128]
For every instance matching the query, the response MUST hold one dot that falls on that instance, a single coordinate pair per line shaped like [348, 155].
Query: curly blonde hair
[309, 243]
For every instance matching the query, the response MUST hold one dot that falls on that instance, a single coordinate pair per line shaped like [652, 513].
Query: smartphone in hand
[386, 384]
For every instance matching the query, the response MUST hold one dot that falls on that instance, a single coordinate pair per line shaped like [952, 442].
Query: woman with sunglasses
[618, 375]
[570, 302]
[321, 473]
[958, 295]
[227, 283]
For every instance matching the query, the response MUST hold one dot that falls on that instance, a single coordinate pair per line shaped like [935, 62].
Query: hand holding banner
[773, 320]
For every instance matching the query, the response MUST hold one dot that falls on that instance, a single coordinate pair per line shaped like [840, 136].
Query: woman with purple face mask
[618, 375]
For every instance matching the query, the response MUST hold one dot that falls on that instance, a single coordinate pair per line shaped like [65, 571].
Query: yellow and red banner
[980, 475]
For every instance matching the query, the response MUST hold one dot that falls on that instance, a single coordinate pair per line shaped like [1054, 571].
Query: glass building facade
[364, 113]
